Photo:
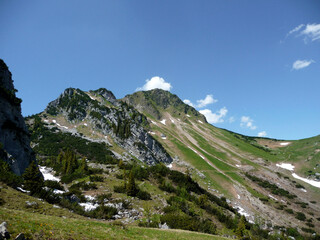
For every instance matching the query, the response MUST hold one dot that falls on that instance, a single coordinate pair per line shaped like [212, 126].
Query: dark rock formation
[14, 138]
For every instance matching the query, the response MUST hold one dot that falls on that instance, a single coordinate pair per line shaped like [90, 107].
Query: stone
[4, 234]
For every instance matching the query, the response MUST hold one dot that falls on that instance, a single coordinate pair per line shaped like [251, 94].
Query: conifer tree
[33, 179]
[131, 186]
[83, 165]
[241, 228]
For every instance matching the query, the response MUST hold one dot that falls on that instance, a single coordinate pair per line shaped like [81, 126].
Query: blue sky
[252, 67]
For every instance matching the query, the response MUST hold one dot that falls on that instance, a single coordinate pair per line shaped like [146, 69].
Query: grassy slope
[48, 222]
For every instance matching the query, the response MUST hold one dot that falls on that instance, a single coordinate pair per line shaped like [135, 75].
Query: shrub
[301, 216]
[53, 185]
[119, 189]
[143, 195]
[96, 178]
[288, 210]
[103, 212]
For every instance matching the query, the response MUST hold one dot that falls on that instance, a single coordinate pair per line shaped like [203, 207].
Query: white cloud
[216, 117]
[312, 31]
[231, 119]
[247, 122]
[187, 101]
[299, 64]
[155, 82]
[204, 102]
[309, 31]
[296, 29]
[262, 134]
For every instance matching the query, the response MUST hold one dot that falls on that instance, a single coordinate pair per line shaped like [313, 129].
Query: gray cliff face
[15, 143]
[127, 127]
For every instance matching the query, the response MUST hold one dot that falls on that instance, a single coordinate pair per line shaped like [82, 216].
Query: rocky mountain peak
[157, 101]
[14, 138]
[108, 95]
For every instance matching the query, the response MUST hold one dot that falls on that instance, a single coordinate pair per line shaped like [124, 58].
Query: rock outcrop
[105, 114]
[14, 138]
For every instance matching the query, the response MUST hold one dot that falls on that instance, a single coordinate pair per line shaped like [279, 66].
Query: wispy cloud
[312, 31]
[247, 122]
[231, 119]
[187, 101]
[262, 134]
[217, 117]
[296, 29]
[202, 102]
[299, 64]
[309, 32]
[155, 82]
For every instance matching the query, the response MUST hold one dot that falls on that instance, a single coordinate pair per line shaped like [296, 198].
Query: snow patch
[200, 121]
[242, 212]
[89, 197]
[273, 197]
[188, 115]
[47, 173]
[46, 121]
[238, 165]
[309, 181]
[154, 123]
[284, 143]
[22, 190]
[54, 121]
[56, 191]
[163, 121]
[287, 166]
[164, 138]
[85, 124]
[239, 196]
[91, 97]
[303, 190]
[169, 165]
[172, 120]
[88, 206]
[153, 133]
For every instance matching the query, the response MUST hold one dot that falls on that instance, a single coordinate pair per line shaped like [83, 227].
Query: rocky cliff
[14, 138]
[101, 111]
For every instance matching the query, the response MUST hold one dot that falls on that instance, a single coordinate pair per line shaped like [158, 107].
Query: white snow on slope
[242, 212]
[284, 143]
[200, 121]
[188, 115]
[22, 190]
[47, 173]
[273, 197]
[172, 120]
[309, 181]
[163, 121]
[169, 165]
[54, 121]
[287, 166]
[88, 206]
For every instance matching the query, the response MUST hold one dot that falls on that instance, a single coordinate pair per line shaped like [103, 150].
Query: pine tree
[33, 179]
[131, 186]
[241, 228]
[83, 165]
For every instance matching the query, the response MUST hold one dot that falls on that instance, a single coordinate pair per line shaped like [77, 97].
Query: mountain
[108, 119]
[151, 160]
[14, 137]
